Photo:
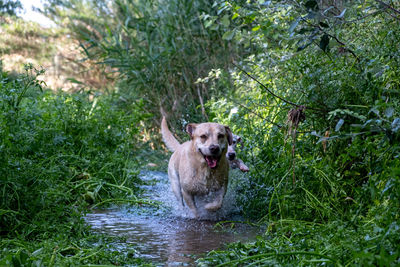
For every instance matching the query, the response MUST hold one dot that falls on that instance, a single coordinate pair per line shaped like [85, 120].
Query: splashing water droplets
[169, 234]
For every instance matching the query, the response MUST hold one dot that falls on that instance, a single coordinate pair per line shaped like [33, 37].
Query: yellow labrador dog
[199, 166]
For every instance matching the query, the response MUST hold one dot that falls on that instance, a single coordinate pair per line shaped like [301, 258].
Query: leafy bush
[317, 105]
[159, 48]
[60, 153]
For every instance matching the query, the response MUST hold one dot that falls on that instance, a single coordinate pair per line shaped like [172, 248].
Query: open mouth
[212, 161]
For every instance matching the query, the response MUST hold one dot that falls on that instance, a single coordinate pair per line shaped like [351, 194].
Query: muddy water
[167, 236]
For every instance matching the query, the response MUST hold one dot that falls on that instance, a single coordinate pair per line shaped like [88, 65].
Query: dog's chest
[202, 183]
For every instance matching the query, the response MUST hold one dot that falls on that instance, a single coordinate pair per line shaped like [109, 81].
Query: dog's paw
[244, 168]
[213, 206]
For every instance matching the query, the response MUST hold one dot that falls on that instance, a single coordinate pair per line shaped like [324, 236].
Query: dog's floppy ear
[190, 129]
[240, 140]
[229, 135]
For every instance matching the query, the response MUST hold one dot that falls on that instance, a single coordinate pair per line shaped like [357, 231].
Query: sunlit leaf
[339, 125]
[341, 14]
[396, 125]
[228, 35]
[294, 25]
[389, 112]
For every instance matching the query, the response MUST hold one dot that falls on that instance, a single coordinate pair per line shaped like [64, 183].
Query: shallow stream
[167, 236]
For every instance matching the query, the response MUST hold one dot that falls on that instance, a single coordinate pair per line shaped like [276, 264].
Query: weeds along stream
[166, 235]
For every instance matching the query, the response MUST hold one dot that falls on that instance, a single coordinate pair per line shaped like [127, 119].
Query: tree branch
[273, 94]
[388, 6]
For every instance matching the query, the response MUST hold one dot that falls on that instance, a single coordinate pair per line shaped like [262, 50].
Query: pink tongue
[212, 162]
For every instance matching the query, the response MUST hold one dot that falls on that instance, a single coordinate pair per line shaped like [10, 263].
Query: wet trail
[168, 236]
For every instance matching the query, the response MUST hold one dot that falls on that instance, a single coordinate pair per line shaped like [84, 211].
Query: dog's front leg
[217, 203]
[189, 199]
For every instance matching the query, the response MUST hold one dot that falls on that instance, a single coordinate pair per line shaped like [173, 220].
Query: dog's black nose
[231, 155]
[214, 149]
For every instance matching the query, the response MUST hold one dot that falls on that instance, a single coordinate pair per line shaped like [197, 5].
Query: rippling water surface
[168, 236]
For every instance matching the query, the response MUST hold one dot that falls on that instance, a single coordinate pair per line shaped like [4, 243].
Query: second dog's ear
[239, 140]
[190, 129]
[229, 135]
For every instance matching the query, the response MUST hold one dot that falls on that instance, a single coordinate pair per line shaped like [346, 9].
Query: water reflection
[168, 238]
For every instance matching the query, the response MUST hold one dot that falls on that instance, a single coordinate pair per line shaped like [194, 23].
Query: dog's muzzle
[214, 149]
[214, 157]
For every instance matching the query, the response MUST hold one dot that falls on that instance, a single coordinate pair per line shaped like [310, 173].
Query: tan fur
[168, 138]
[189, 172]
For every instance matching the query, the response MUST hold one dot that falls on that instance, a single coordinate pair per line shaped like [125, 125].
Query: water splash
[160, 190]
[167, 235]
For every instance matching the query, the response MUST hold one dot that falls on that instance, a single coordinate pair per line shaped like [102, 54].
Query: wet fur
[188, 171]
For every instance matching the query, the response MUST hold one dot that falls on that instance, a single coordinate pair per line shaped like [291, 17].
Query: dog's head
[231, 153]
[211, 140]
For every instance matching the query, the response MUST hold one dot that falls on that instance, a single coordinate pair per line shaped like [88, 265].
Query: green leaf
[339, 125]
[323, 44]
[208, 23]
[341, 14]
[228, 35]
[73, 80]
[225, 21]
[294, 24]
[389, 112]
[396, 125]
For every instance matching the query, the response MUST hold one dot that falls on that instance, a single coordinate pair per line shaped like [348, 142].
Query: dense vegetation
[311, 86]
[60, 153]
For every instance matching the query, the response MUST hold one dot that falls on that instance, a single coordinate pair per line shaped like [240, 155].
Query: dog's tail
[169, 139]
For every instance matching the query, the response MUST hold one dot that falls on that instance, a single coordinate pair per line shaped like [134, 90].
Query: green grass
[300, 243]
[69, 250]
[62, 154]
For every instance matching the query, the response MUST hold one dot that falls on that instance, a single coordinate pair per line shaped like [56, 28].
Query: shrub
[61, 152]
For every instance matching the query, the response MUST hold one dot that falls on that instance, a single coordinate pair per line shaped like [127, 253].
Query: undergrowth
[321, 133]
[59, 155]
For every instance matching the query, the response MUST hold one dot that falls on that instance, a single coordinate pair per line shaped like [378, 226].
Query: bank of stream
[166, 235]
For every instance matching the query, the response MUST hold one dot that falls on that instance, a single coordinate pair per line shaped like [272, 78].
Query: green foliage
[67, 250]
[351, 112]
[159, 48]
[339, 165]
[290, 242]
[60, 153]
[9, 6]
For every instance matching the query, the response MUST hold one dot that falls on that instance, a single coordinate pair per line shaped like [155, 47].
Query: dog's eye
[204, 137]
[220, 136]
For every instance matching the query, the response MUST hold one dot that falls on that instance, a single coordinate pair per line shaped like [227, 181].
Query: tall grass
[344, 155]
[60, 154]
[159, 48]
